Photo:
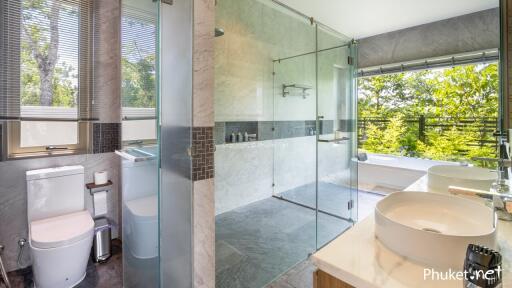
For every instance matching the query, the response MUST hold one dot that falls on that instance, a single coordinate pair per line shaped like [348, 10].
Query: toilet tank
[139, 179]
[54, 191]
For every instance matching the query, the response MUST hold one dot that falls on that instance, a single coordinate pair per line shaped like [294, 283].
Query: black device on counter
[482, 267]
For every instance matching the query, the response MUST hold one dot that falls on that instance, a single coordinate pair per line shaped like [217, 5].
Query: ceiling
[363, 18]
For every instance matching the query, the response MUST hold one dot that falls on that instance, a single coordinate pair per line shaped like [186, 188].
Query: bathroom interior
[225, 143]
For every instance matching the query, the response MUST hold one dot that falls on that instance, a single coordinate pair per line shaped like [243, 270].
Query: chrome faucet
[499, 193]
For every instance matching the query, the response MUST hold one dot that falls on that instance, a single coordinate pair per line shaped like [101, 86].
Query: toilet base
[61, 267]
[78, 282]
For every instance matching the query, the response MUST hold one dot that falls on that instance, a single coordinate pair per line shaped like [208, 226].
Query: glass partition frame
[347, 51]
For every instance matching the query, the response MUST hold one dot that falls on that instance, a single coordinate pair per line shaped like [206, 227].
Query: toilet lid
[61, 230]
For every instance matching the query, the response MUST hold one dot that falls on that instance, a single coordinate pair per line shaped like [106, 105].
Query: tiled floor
[301, 276]
[332, 199]
[103, 275]
[260, 241]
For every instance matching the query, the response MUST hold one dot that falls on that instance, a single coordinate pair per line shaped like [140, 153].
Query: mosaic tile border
[106, 137]
[203, 149]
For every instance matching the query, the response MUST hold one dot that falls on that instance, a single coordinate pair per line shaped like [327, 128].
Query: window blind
[46, 69]
[10, 12]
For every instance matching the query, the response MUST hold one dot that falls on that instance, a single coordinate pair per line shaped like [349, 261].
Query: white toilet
[60, 229]
[142, 226]
[140, 208]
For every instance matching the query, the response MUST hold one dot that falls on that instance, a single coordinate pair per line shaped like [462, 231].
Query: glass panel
[138, 63]
[259, 236]
[175, 116]
[335, 119]
[295, 130]
[139, 165]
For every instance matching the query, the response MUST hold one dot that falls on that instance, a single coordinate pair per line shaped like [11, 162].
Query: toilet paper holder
[93, 188]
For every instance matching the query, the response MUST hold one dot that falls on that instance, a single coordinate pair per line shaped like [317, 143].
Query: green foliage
[139, 83]
[39, 59]
[462, 92]
[388, 140]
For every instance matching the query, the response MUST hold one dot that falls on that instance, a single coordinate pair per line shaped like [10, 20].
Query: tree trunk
[47, 69]
[46, 76]
[46, 60]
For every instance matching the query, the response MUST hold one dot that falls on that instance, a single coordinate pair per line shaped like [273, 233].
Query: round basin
[433, 229]
[440, 177]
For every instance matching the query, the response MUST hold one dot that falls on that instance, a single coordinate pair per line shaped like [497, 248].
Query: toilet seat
[61, 230]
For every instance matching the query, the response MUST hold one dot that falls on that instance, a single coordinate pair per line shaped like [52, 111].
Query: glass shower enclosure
[156, 167]
[314, 131]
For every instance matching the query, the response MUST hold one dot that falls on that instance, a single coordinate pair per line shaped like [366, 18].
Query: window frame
[14, 149]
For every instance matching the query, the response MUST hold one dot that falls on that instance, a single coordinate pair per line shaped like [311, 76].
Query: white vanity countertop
[359, 259]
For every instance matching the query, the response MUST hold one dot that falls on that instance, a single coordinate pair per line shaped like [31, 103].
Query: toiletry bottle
[246, 137]
[240, 137]
[232, 137]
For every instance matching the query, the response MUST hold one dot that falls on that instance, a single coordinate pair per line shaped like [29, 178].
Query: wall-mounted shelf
[304, 88]
[93, 188]
[335, 141]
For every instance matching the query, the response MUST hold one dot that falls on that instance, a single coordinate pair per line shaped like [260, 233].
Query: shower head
[219, 32]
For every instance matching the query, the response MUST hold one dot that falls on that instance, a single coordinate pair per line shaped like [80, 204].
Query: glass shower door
[336, 140]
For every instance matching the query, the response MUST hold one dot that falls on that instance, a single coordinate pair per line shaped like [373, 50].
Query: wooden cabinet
[324, 280]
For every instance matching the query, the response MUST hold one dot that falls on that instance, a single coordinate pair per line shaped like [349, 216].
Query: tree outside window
[442, 114]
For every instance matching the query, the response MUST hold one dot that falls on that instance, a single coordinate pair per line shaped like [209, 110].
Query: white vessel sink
[442, 176]
[433, 229]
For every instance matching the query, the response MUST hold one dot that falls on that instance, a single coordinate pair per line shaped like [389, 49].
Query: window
[447, 113]
[53, 75]
[138, 62]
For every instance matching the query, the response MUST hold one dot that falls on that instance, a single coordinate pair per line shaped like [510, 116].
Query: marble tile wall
[106, 63]
[13, 195]
[243, 174]
[251, 171]
[203, 127]
[467, 33]
[204, 233]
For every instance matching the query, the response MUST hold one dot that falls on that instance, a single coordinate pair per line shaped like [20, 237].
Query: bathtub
[385, 173]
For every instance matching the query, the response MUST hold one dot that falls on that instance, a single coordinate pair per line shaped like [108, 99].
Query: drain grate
[432, 230]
